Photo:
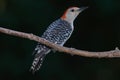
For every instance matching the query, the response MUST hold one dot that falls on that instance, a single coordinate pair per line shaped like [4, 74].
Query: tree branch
[72, 51]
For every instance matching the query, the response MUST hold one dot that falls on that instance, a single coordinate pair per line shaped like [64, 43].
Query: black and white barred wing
[58, 32]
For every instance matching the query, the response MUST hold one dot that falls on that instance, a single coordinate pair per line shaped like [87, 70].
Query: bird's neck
[70, 21]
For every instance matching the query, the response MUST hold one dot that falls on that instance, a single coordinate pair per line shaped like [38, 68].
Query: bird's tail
[39, 58]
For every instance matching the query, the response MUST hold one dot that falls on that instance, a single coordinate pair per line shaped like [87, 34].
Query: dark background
[96, 29]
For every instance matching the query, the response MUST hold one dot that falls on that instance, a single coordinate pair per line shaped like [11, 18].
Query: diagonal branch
[105, 54]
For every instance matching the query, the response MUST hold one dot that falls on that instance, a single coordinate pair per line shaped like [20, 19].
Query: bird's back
[58, 32]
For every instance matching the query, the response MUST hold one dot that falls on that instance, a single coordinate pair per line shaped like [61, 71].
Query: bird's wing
[58, 32]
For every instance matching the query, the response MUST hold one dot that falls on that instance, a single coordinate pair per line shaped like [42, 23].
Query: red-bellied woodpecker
[58, 32]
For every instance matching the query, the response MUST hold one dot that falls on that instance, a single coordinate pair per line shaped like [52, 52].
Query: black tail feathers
[40, 52]
[37, 63]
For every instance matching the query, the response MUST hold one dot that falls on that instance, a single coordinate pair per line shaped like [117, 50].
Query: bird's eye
[72, 10]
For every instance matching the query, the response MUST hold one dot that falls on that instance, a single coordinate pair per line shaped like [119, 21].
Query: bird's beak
[82, 9]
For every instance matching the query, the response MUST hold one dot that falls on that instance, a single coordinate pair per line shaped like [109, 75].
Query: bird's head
[71, 13]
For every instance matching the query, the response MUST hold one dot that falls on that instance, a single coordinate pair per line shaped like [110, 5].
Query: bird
[58, 32]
